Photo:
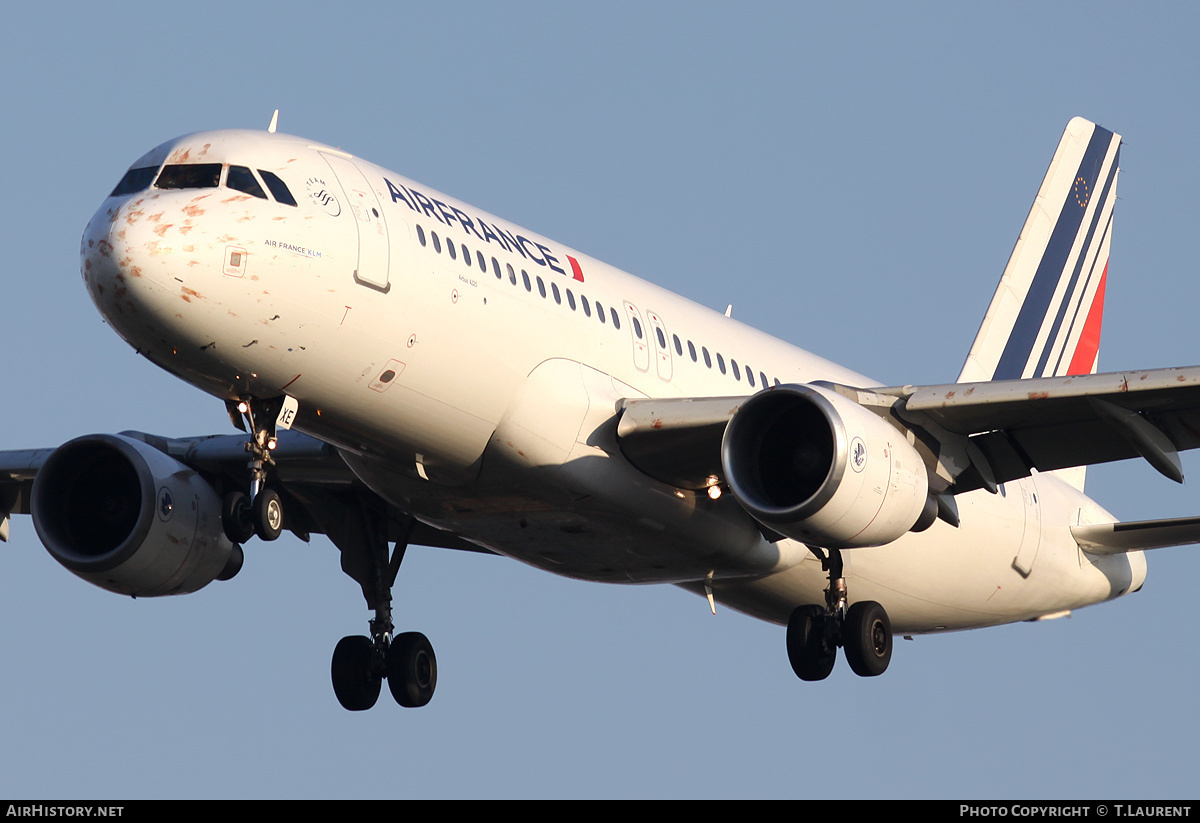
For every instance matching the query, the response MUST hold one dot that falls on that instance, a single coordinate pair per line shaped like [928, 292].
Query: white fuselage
[480, 396]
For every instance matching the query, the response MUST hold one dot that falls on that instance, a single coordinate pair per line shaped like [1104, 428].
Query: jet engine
[128, 518]
[815, 466]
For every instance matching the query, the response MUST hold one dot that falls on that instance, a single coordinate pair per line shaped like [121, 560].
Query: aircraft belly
[555, 491]
[946, 579]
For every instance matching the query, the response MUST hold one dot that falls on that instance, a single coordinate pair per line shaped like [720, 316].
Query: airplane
[405, 368]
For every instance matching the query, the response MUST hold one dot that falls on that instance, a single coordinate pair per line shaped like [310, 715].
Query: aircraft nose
[113, 252]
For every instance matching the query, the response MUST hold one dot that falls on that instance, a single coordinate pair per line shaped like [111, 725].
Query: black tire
[411, 669]
[268, 514]
[355, 684]
[867, 639]
[811, 656]
[236, 517]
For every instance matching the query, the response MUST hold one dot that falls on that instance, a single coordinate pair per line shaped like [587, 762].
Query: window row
[461, 252]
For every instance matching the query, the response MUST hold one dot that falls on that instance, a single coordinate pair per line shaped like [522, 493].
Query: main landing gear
[359, 526]
[361, 664]
[815, 633]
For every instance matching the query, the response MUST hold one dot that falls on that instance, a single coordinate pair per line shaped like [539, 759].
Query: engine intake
[130, 519]
[819, 468]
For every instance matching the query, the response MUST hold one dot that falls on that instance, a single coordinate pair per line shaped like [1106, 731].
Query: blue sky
[851, 179]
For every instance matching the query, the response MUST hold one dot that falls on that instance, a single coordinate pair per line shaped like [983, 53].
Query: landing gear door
[374, 257]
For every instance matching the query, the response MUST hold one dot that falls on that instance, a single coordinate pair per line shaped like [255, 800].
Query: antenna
[274, 122]
[729, 310]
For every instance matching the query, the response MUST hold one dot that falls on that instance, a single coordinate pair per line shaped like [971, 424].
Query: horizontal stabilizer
[1118, 538]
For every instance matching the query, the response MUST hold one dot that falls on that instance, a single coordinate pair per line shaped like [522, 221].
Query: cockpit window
[242, 179]
[277, 187]
[135, 180]
[191, 176]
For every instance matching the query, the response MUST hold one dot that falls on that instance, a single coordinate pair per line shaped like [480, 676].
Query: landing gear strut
[862, 630]
[359, 527]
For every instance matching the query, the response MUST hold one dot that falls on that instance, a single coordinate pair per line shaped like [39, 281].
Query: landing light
[714, 486]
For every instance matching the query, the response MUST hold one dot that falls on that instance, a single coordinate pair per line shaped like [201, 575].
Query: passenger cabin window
[191, 176]
[278, 188]
[242, 179]
[135, 180]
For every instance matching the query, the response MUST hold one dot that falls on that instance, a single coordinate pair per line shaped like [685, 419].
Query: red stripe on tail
[1089, 338]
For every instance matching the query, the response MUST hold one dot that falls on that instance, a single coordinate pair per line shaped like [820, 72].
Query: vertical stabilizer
[1045, 317]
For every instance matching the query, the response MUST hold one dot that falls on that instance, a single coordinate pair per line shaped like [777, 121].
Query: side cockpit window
[278, 188]
[191, 176]
[135, 180]
[242, 179]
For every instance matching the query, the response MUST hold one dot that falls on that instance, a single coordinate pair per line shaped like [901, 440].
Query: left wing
[973, 434]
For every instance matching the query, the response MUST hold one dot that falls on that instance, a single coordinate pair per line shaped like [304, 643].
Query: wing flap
[1053, 423]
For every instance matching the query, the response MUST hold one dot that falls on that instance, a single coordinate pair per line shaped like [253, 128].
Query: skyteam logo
[858, 454]
[319, 191]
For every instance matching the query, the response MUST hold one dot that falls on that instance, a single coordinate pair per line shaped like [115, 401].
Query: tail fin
[1044, 319]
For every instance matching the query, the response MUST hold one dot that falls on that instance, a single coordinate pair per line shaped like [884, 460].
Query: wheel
[268, 514]
[867, 638]
[411, 669]
[234, 564]
[811, 655]
[236, 518]
[354, 683]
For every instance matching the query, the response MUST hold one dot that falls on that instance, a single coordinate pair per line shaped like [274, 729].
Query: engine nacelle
[128, 518]
[817, 467]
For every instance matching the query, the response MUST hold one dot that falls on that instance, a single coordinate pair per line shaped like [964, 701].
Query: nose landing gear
[261, 512]
[815, 633]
